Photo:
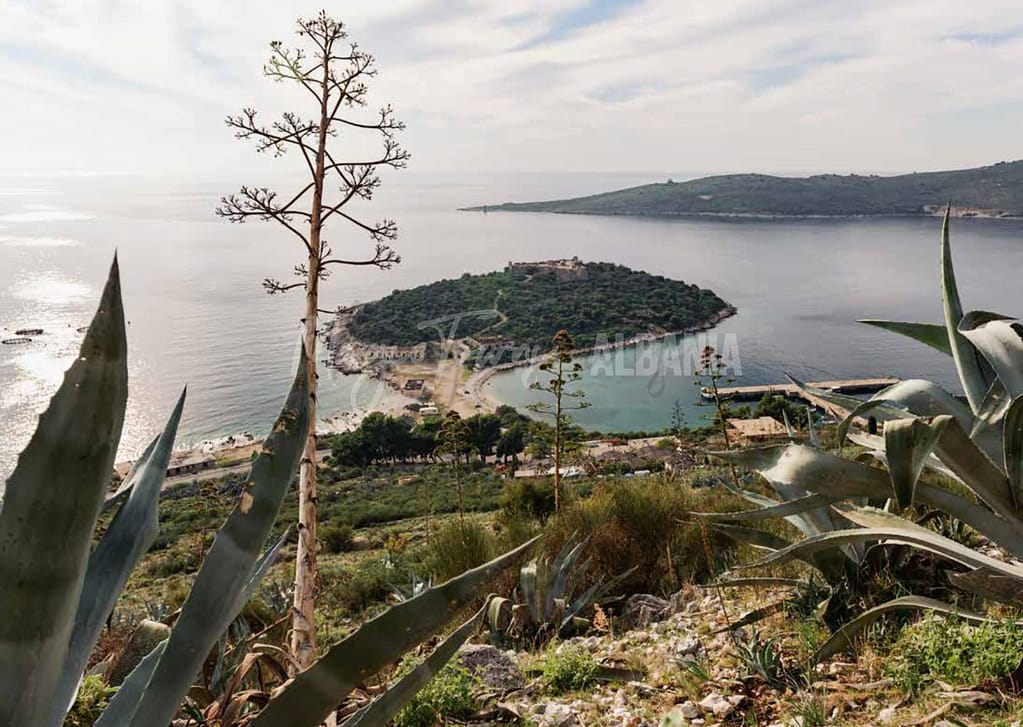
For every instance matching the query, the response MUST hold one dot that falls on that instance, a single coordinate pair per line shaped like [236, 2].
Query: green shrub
[448, 696]
[533, 497]
[93, 695]
[953, 651]
[456, 547]
[336, 537]
[567, 669]
[636, 522]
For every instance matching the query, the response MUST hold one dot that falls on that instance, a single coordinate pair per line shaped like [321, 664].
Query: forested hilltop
[995, 191]
[534, 303]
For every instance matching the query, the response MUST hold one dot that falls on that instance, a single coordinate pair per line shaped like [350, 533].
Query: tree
[484, 433]
[712, 368]
[512, 442]
[779, 407]
[335, 77]
[454, 441]
[563, 371]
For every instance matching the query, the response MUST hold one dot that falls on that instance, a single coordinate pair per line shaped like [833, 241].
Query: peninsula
[991, 191]
[451, 335]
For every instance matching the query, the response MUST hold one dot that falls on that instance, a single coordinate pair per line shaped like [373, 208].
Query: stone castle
[565, 270]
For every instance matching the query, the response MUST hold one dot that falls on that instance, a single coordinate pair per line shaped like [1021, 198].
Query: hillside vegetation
[995, 190]
[613, 300]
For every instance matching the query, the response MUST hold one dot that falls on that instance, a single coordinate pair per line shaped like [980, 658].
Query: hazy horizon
[593, 86]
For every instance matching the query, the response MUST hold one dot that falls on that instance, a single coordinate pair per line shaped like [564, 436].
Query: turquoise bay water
[199, 317]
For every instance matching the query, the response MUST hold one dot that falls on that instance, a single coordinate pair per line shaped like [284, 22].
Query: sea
[198, 316]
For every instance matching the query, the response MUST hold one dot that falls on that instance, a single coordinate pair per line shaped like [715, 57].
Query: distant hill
[533, 301]
[993, 191]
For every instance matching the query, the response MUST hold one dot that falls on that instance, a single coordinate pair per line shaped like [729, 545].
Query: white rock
[557, 715]
[717, 705]
[886, 715]
[689, 710]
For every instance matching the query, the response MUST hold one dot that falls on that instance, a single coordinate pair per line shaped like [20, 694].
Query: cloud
[564, 85]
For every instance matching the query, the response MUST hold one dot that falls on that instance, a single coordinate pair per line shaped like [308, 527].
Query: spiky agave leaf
[877, 525]
[130, 534]
[908, 444]
[228, 567]
[385, 707]
[930, 334]
[840, 479]
[974, 373]
[309, 697]
[50, 508]
[842, 638]
[1012, 451]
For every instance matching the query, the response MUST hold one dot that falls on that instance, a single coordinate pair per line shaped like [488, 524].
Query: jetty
[791, 391]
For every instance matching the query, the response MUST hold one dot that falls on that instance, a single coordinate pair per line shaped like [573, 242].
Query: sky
[778, 86]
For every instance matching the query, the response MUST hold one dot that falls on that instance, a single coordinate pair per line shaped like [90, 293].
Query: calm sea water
[199, 317]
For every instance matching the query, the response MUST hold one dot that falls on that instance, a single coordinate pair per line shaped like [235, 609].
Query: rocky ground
[686, 670]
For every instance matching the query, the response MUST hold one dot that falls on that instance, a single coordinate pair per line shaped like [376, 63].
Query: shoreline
[963, 214]
[469, 395]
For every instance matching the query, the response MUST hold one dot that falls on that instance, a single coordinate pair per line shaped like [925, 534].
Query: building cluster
[565, 269]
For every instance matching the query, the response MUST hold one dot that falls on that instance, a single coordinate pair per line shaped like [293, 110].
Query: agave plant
[551, 603]
[976, 445]
[58, 590]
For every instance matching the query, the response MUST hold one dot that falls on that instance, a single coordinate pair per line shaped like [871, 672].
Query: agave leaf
[528, 578]
[908, 444]
[906, 533]
[858, 480]
[992, 409]
[762, 583]
[991, 586]
[562, 569]
[792, 469]
[815, 441]
[309, 697]
[1013, 451]
[975, 469]
[131, 532]
[906, 399]
[830, 567]
[788, 425]
[931, 334]
[499, 613]
[755, 616]
[50, 507]
[118, 497]
[827, 400]
[593, 594]
[122, 705]
[228, 567]
[382, 710]
[843, 637]
[1007, 532]
[261, 568]
[781, 509]
[974, 374]
[751, 536]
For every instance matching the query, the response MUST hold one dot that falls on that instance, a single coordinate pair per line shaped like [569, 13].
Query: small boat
[29, 332]
[83, 329]
[16, 341]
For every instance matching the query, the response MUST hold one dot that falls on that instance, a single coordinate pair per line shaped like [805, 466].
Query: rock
[557, 715]
[688, 645]
[717, 705]
[494, 668]
[642, 609]
[689, 709]
[886, 715]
